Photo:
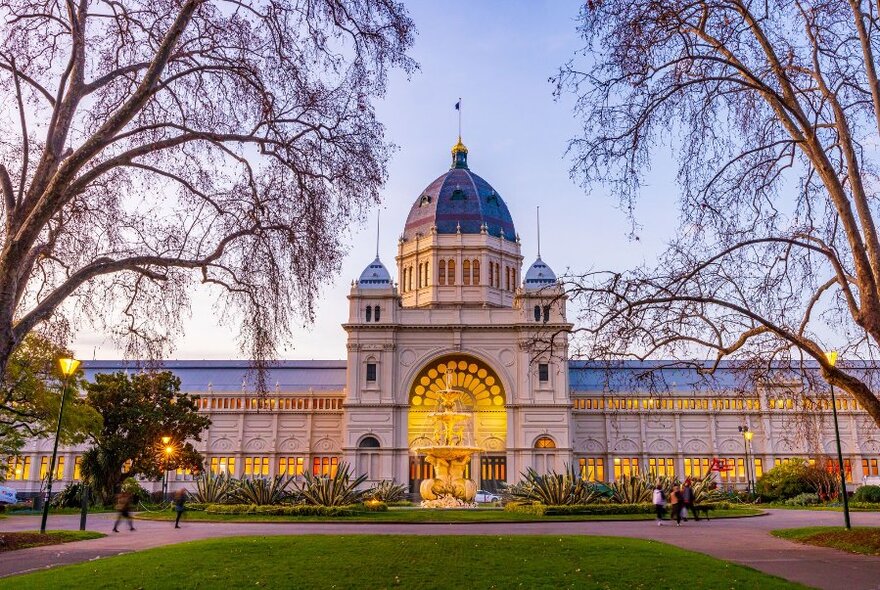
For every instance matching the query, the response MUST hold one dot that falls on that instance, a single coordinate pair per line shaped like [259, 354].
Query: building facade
[461, 313]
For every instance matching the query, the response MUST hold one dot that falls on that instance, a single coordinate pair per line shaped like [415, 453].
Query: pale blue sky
[498, 57]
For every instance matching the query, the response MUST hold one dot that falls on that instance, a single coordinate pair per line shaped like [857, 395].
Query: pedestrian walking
[123, 507]
[659, 504]
[179, 502]
[676, 504]
[687, 498]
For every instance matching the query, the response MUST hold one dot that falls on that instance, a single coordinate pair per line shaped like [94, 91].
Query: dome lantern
[459, 155]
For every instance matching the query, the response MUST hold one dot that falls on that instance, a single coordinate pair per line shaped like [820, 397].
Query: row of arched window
[373, 313]
[542, 313]
[447, 276]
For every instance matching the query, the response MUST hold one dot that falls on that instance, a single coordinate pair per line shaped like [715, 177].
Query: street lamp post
[167, 450]
[68, 369]
[832, 360]
[747, 439]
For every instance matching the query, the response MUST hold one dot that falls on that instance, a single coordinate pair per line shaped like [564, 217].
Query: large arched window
[369, 313]
[427, 275]
[369, 442]
[378, 310]
[475, 270]
[466, 272]
[491, 274]
[545, 442]
[450, 272]
[537, 313]
[420, 275]
[442, 276]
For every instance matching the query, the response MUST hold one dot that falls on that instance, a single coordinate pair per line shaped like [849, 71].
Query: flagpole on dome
[539, 230]
[378, 217]
[458, 108]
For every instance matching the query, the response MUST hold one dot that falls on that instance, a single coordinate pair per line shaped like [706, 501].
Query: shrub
[387, 491]
[262, 492]
[213, 489]
[375, 506]
[594, 509]
[868, 494]
[138, 494]
[297, 510]
[71, 496]
[634, 489]
[806, 499]
[553, 488]
[786, 480]
[339, 490]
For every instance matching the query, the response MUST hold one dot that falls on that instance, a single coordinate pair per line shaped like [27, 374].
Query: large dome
[459, 200]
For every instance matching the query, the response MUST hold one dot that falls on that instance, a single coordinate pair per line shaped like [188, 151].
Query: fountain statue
[449, 451]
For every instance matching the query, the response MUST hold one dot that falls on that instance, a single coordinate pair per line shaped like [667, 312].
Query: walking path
[742, 540]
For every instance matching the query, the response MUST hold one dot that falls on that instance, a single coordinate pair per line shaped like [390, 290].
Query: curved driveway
[742, 540]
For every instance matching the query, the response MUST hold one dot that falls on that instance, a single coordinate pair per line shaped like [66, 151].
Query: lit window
[371, 372]
[18, 468]
[59, 467]
[759, 467]
[77, 468]
[661, 466]
[696, 467]
[223, 465]
[625, 467]
[545, 442]
[592, 468]
[256, 466]
[291, 465]
[325, 466]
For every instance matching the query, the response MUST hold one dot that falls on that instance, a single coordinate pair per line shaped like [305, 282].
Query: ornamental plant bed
[597, 509]
[26, 539]
[864, 540]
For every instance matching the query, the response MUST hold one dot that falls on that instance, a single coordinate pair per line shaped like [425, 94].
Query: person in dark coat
[179, 502]
[687, 497]
[123, 507]
[676, 504]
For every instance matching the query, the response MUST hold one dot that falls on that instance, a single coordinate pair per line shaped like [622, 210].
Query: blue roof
[236, 376]
[459, 200]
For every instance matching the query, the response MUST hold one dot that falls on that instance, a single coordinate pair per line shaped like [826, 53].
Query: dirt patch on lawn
[857, 540]
[14, 541]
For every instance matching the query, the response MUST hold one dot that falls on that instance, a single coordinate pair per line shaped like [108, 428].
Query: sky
[497, 57]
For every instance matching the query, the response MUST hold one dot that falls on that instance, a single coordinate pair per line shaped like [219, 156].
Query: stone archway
[483, 393]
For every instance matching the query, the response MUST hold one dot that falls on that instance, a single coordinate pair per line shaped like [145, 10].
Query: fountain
[449, 452]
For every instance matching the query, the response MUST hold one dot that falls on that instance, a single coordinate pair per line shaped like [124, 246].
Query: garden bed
[864, 540]
[26, 539]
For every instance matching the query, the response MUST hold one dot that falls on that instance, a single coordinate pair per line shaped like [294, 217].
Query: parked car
[7, 495]
[484, 497]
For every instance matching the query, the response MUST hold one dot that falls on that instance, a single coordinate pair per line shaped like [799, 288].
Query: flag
[458, 105]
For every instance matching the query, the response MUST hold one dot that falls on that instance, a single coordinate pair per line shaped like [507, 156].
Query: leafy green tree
[138, 411]
[786, 480]
[30, 393]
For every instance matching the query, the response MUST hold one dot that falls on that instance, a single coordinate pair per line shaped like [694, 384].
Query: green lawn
[422, 515]
[395, 561]
[834, 508]
[865, 540]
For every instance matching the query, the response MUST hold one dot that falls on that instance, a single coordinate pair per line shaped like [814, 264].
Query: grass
[31, 512]
[864, 540]
[24, 539]
[396, 561]
[853, 507]
[421, 515]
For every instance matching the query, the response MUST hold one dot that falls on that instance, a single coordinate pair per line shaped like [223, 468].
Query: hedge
[294, 510]
[595, 509]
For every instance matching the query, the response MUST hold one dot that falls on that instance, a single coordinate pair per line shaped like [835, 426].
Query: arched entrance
[484, 393]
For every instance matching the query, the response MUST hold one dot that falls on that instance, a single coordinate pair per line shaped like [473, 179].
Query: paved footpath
[742, 540]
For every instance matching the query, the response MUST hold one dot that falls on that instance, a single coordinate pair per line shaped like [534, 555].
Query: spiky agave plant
[213, 489]
[632, 489]
[338, 490]
[553, 489]
[262, 491]
[387, 491]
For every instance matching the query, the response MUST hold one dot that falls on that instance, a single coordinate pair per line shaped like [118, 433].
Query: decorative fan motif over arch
[465, 374]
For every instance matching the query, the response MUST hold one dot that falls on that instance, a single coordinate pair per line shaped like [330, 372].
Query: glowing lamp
[68, 366]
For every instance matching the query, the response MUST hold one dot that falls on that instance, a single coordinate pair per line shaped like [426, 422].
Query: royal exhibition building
[464, 313]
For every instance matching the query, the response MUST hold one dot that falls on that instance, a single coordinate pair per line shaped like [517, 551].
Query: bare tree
[772, 110]
[149, 144]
